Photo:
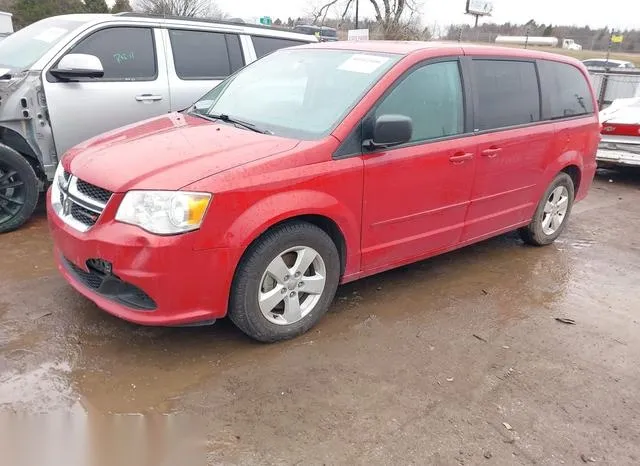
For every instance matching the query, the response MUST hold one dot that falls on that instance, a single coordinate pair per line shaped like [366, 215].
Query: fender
[279, 207]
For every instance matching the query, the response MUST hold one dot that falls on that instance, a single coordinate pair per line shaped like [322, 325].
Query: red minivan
[319, 165]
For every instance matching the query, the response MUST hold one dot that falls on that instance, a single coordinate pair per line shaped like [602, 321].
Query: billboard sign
[479, 7]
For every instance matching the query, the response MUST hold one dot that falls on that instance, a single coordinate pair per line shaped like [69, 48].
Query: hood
[168, 152]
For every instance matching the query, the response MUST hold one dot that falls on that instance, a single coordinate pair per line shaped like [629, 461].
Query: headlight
[58, 177]
[164, 212]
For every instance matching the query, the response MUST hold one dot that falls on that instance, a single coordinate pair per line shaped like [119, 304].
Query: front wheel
[285, 282]
[18, 189]
[552, 214]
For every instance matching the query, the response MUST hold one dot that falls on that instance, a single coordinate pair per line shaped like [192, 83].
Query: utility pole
[357, 2]
[606, 65]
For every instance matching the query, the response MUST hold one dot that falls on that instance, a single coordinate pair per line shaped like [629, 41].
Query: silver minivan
[68, 78]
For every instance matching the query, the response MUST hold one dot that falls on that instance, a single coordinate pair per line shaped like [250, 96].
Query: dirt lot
[421, 365]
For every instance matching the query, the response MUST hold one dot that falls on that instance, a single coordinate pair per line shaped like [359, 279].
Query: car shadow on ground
[627, 176]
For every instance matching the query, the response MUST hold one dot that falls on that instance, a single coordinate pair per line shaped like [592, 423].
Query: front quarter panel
[249, 200]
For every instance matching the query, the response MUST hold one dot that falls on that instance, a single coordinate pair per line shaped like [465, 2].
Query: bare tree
[397, 18]
[198, 8]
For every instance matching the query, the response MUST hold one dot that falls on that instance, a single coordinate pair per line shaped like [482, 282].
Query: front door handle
[491, 152]
[461, 157]
[148, 98]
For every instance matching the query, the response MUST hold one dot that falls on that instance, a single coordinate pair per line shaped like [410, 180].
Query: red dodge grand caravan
[319, 165]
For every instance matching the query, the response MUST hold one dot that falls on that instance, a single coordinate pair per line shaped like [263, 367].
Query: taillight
[616, 129]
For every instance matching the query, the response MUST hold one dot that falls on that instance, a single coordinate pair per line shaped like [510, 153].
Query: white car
[602, 63]
[620, 144]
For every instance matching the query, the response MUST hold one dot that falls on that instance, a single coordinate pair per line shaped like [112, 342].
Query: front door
[416, 195]
[134, 86]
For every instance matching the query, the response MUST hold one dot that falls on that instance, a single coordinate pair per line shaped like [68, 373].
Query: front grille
[81, 203]
[111, 287]
[94, 192]
[83, 215]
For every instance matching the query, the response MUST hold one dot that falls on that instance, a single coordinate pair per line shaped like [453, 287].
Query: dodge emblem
[66, 206]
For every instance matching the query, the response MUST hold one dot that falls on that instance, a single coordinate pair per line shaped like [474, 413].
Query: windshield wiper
[250, 126]
[227, 119]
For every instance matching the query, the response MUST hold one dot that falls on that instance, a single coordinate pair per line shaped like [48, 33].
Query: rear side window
[432, 96]
[205, 55]
[507, 93]
[565, 89]
[126, 53]
[266, 45]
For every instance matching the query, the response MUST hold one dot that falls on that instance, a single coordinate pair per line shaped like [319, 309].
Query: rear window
[565, 89]
[266, 45]
[507, 93]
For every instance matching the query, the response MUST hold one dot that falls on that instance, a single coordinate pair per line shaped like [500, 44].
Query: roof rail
[204, 20]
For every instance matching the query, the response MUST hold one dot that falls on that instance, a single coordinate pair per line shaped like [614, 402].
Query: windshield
[303, 93]
[25, 47]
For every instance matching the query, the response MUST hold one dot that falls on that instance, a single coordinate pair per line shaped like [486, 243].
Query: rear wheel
[18, 189]
[552, 214]
[285, 283]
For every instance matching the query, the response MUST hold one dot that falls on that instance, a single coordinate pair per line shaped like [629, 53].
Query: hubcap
[555, 210]
[12, 193]
[292, 285]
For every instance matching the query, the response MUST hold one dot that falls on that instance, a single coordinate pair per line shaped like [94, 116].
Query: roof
[182, 21]
[234, 22]
[384, 46]
[409, 47]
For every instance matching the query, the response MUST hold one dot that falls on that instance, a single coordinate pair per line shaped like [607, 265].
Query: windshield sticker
[361, 63]
[50, 35]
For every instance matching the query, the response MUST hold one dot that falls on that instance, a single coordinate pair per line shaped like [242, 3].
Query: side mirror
[390, 130]
[78, 65]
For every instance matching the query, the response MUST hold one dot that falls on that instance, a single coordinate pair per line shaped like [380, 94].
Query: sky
[598, 13]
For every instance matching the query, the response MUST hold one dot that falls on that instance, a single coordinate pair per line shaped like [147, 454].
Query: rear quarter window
[565, 89]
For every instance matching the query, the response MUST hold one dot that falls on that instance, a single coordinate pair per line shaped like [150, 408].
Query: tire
[540, 231]
[19, 189]
[261, 281]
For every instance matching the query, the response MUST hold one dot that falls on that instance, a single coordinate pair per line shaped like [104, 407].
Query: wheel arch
[326, 224]
[315, 207]
[14, 140]
[571, 163]
[576, 176]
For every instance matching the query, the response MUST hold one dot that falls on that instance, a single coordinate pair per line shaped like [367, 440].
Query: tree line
[26, 12]
[592, 39]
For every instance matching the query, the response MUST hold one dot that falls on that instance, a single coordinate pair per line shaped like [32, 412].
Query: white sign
[480, 7]
[361, 63]
[358, 34]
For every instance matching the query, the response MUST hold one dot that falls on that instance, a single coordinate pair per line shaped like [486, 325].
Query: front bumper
[618, 157]
[154, 280]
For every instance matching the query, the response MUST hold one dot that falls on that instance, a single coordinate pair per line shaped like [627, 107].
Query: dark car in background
[323, 33]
